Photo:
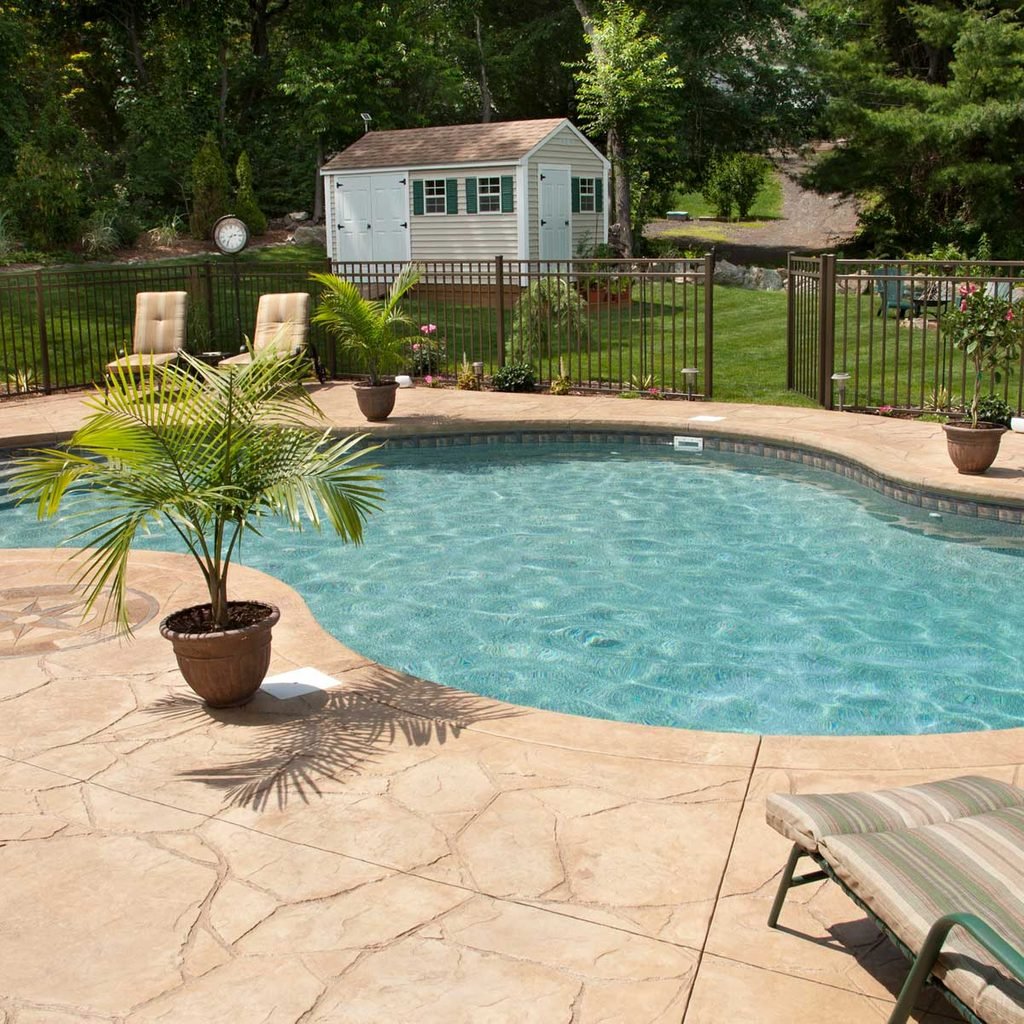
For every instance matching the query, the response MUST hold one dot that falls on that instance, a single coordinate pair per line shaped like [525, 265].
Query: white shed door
[555, 213]
[372, 213]
[352, 204]
[390, 221]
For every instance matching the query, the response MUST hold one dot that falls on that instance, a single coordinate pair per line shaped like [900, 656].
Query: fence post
[790, 325]
[44, 348]
[207, 267]
[499, 273]
[709, 322]
[826, 328]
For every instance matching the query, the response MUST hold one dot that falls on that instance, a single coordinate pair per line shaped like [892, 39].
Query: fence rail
[881, 322]
[608, 325]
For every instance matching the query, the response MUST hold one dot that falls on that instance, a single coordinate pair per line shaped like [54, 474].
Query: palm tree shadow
[299, 744]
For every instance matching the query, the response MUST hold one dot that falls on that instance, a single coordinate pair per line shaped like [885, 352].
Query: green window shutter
[471, 195]
[599, 195]
[507, 205]
[451, 195]
[417, 198]
[575, 195]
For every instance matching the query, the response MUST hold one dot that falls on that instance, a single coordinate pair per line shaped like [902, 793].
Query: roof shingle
[449, 144]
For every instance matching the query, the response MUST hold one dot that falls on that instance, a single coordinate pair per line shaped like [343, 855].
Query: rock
[755, 278]
[311, 234]
[298, 218]
[729, 274]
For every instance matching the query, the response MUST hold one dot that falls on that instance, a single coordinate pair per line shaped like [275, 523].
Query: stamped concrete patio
[395, 851]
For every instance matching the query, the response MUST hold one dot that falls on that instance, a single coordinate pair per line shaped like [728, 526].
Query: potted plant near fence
[987, 329]
[376, 331]
[208, 453]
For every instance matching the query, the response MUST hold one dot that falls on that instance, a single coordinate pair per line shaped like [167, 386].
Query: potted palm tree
[986, 328]
[376, 331]
[208, 453]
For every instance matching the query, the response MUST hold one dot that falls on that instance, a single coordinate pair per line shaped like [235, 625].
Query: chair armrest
[983, 933]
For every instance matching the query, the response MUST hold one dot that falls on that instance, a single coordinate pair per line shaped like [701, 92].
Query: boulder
[311, 234]
[729, 274]
[297, 218]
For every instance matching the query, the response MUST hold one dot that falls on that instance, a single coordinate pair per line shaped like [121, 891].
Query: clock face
[230, 234]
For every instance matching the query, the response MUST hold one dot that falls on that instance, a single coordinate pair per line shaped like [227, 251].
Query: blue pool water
[634, 583]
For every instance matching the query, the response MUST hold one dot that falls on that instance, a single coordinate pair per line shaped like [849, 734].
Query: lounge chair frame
[924, 960]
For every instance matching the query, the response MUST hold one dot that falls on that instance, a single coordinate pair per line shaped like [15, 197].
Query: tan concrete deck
[394, 851]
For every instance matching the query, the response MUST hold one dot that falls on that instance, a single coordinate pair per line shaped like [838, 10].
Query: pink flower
[428, 329]
[428, 380]
[1009, 314]
[416, 346]
[652, 391]
[963, 305]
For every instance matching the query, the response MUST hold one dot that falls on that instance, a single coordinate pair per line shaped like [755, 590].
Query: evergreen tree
[933, 129]
[246, 205]
[210, 188]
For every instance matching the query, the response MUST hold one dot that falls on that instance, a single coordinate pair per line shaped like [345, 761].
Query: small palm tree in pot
[210, 454]
[375, 331]
[987, 329]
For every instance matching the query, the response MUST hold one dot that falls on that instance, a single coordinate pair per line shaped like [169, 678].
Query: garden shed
[532, 190]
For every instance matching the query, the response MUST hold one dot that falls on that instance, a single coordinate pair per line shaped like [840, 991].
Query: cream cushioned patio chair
[158, 336]
[282, 323]
[939, 867]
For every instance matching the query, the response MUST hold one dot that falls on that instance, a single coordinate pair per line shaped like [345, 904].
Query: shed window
[588, 195]
[434, 195]
[489, 195]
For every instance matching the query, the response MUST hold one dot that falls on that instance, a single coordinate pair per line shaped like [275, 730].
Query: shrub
[428, 354]
[7, 243]
[748, 173]
[43, 198]
[467, 379]
[992, 409]
[514, 376]
[735, 181]
[246, 205]
[718, 189]
[547, 309]
[210, 188]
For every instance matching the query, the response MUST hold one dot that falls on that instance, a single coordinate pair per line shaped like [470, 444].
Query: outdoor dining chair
[158, 336]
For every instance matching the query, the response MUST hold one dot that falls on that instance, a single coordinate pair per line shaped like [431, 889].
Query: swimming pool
[636, 583]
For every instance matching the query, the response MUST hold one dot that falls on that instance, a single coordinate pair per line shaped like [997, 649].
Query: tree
[624, 92]
[210, 188]
[246, 205]
[933, 130]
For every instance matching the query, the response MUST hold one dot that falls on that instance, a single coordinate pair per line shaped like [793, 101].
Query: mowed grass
[750, 348]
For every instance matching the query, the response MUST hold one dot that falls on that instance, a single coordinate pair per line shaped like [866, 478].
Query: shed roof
[449, 144]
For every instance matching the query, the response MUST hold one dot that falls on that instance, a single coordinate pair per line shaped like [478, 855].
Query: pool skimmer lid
[684, 443]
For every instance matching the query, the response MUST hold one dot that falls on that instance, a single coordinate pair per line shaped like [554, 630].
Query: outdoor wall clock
[230, 234]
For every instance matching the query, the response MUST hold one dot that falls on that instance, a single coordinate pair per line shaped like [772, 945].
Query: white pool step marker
[297, 683]
[683, 443]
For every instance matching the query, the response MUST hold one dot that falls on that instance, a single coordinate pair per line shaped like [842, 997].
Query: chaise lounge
[940, 869]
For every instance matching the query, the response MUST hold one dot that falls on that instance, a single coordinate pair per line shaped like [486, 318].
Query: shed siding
[464, 236]
[564, 147]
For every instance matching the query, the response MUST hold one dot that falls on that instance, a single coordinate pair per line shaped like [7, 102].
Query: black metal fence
[607, 325]
[881, 322]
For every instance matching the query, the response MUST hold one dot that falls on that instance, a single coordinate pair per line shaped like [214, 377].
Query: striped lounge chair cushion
[808, 819]
[910, 877]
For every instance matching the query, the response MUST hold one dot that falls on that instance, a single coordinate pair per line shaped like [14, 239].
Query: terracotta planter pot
[973, 449]
[225, 668]
[376, 401]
